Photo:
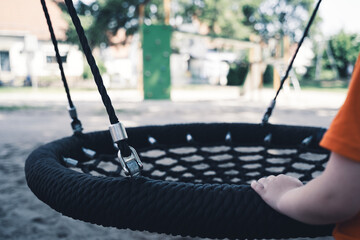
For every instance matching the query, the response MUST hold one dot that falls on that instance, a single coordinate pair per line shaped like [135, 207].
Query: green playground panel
[156, 60]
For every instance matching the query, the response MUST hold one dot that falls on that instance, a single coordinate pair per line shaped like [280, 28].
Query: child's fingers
[258, 187]
[263, 181]
[271, 177]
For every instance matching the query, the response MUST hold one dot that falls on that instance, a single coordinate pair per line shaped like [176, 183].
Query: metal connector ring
[132, 164]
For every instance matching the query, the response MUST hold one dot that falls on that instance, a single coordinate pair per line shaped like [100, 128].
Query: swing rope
[76, 123]
[121, 142]
[92, 63]
[270, 109]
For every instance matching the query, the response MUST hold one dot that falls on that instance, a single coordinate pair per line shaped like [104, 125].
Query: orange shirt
[343, 137]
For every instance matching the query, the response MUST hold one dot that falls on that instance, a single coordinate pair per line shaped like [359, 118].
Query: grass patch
[315, 87]
[333, 89]
[29, 90]
[17, 108]
[42, 90]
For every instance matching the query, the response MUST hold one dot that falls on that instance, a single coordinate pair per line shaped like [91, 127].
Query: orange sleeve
[343, 136]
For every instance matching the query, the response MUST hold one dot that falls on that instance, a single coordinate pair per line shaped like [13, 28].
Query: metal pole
[167, 10]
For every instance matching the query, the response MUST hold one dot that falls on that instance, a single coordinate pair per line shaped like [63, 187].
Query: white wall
[13, 45]
[123, 71]
[28, 56]
[73, 67]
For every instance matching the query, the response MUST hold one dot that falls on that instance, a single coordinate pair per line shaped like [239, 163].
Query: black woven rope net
[195, 180]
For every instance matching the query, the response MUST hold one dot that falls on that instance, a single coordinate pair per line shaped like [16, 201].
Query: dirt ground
[32, 119]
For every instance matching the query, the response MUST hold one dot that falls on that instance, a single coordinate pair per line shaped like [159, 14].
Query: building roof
[27, 16]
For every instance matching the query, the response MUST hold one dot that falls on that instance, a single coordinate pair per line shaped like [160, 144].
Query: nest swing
[194, 179]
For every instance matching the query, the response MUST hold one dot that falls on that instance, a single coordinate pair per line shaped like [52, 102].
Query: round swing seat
[195, 180]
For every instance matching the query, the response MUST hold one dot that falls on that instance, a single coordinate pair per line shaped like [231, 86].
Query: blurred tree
[345, 48]
[268, 75]
[101, 19]
[223, 17]
[237, 74]
[278, 18]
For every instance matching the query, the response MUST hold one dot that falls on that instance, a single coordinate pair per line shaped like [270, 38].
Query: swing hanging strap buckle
[75, 124]
[132, 164]
[72, 112]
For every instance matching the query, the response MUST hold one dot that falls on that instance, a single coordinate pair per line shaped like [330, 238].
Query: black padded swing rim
[140, 203]
[208, 210]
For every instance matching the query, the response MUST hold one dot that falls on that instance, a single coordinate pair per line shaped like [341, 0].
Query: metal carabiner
[132, 164]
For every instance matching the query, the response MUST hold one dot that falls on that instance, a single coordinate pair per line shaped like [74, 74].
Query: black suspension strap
[75, 124]
[270, 109]
[127, 155]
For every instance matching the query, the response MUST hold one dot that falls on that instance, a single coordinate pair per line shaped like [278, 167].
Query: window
[4, 61]
[52, 59]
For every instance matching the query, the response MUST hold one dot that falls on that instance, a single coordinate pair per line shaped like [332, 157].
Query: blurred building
[26, 51]
[203, 59]
[121, 59]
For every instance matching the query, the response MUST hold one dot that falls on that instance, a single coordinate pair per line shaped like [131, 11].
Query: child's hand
[272, 188]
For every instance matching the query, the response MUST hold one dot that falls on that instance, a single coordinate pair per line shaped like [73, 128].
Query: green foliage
[154, 12]
[87, 71]
[231, 18]
[224, 17]
[278, 17]
[71, 35]
[268, 76]
[345, 48]
[237, 74]
[103, 18]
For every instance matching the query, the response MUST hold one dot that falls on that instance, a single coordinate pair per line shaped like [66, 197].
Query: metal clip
[307, 141]
[76, 126]
[71, 162]
[131, 164]
[228, 137]
[268, 113]
[267, 139]
[89, 153]
[118, 132]
[72, 112]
